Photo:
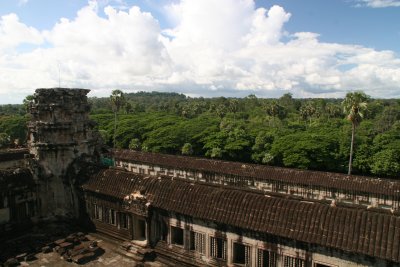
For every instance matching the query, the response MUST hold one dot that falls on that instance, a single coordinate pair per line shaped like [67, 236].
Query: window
[241, 254]
[363, 199]
[3, 201]
[293, 262]
[98, 212]
[383, 201]
[266, 258]
[142, 229]
[218, 248]
[123, 220]
[164, 231]
[112, 217]
[281, 187]
[177, 236]
[349, 196]
[30, 208]
[139, 229]
[106, 215]
[321, 265]
[21, 211]
[197, 242]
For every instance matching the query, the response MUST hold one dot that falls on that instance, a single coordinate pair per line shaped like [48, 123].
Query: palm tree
[354, 106]
[117, 101]
[307, 111]
[333, 110]
[28, 99]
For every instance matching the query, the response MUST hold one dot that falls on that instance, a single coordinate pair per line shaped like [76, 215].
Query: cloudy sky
[310, 48]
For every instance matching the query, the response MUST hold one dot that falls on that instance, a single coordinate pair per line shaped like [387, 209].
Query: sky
[231, 48]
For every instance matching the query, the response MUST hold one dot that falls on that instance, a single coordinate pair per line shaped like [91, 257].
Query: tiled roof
[353, 230]
[14, 154]
[262, 172]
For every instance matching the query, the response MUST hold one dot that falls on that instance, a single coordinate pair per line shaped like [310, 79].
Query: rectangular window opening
[142, 229]
[241, 254]
[266, 258]
[218, 248]
[113, 218]
[106, 215]
[197, 242]
[123, 220]
[321, 265]
[98, 212]
[293, 262]
[177, 236]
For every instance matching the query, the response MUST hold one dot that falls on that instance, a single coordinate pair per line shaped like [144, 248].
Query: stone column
[61, 138]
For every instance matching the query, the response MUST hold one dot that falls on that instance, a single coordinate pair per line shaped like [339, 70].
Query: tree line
[311, 134]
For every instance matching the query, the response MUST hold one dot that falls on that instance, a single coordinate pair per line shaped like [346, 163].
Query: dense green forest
[298, 133]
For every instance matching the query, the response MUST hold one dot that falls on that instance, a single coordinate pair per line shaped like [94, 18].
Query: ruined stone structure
[13, 159]
[61, 138]
[192, 211]
[44, 180]
[17, 199]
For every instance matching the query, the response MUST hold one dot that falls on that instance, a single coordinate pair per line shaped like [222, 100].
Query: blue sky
[341, 21]
[310, 48]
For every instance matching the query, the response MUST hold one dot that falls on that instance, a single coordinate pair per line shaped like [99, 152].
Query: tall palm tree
[307, 111]
[117, 101]
[354, 106]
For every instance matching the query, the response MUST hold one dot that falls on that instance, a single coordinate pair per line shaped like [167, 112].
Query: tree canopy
[298, 133]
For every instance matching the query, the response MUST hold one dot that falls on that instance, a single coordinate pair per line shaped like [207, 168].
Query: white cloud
[22, 2]
[14, 33]
[214, 47]
[379, 3]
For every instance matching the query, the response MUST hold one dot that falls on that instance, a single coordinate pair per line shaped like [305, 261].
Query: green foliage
[386, 153]
[28, 99]
[386, 162]
[307, 111]
[298, 133]
[187, 149]
[262, 146]
[266, 131]
[4, 140]
[117, 100]
[215, 152]
[12, 110]
[134, 144]
[274, 109]
[354, 106]
[312, 149]
[14, 126]
[105, 136]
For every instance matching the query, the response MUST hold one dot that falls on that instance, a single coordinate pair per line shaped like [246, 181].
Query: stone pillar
[60, 138]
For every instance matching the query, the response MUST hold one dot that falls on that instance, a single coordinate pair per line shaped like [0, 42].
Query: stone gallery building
[200, 212]
[191, 211]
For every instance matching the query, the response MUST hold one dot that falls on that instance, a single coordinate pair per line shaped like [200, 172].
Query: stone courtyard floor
[109, 258]
[59, 244]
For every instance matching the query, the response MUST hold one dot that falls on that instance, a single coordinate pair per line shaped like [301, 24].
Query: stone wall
[241, 248]
[327, 194]
[60, 138]
[18, 205]
[13, 158]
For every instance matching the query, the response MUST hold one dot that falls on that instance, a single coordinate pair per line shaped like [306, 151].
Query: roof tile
[261, 172]
[350, 229]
